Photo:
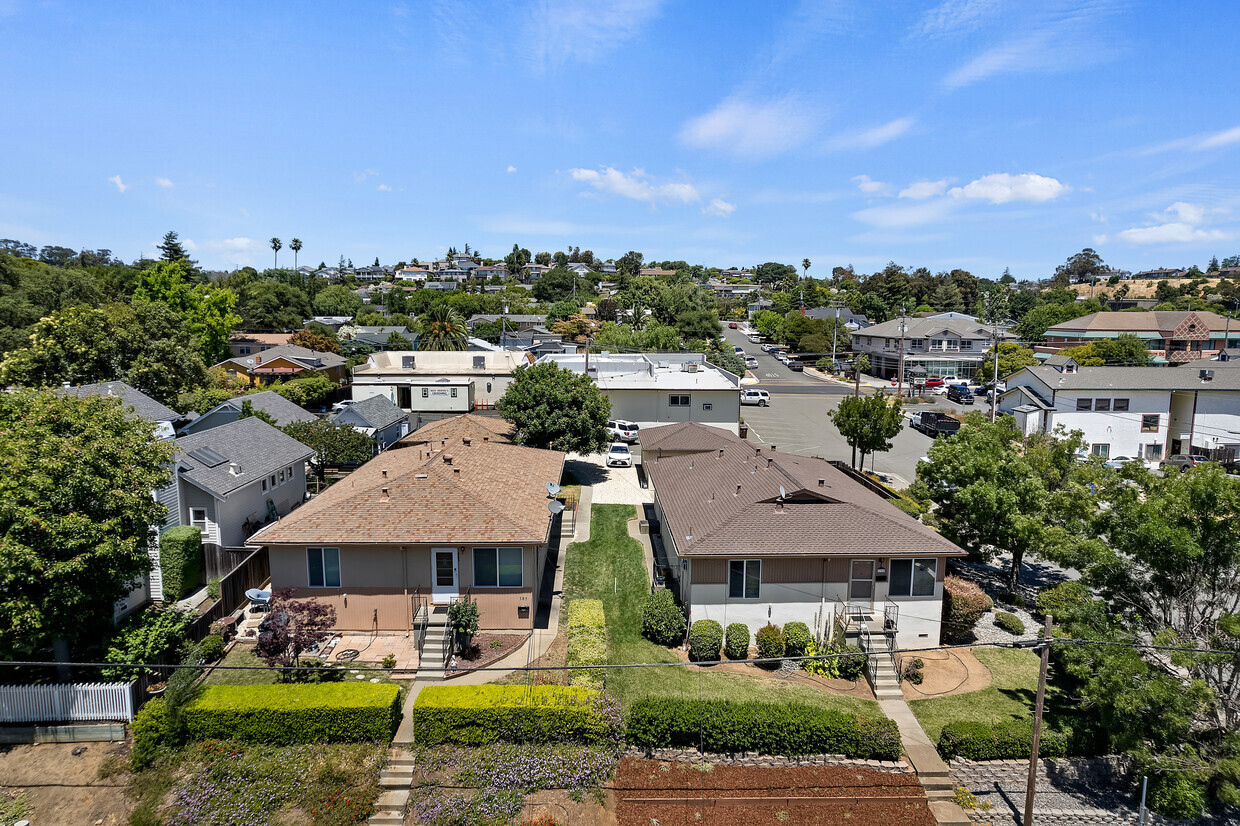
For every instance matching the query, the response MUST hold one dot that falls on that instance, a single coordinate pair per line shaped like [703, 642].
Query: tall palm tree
[442, 328]
[275, 248]
[805, 266]
[295, 246]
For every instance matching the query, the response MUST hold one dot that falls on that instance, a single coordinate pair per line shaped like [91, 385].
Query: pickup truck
[934, 424]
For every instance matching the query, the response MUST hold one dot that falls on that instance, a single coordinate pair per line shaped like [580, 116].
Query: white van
[753, 396]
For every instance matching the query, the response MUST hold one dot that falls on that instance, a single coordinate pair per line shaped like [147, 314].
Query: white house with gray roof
[376, 417]
[1146, 412]
[269, 401]
[163, 417]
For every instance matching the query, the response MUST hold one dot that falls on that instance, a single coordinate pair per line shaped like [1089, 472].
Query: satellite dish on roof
[555, 506]
[782, 494]
[552, 488]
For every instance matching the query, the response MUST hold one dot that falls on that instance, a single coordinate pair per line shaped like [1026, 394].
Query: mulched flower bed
[645, 790]
[483, 652]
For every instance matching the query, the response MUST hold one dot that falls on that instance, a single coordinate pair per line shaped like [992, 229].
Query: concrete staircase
[886, 682]
[431, 659]
[395, 780]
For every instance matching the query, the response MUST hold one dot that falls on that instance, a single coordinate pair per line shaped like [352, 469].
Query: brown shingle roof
[1160, 321]
[724, 501]
[490, 492]
[466, 425]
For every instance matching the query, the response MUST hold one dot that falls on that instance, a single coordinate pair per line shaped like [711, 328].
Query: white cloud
[635, 185]
[1180, 223]
[870, 186]
[1003, 188]
[235, 252]
[1197, 143]
[870, 138]
[164, 182]
[1176, 232]
[892, 216]
[1224, 138]
[955, 16]
[588, 30]
[751, 129]
[920, 190]
[384, 188]
[511, 168]
[360, 177]
[120, 185]
[720, 207]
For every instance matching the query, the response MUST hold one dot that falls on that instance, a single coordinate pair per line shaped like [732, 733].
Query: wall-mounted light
[882, 569]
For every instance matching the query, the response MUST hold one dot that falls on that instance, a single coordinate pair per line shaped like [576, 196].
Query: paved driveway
[612, 486]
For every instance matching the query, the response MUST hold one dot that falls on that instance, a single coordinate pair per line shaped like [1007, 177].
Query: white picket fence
[67, 702]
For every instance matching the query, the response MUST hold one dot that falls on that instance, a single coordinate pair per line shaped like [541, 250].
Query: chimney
[447, 458]
[234, 468]
[822, 483]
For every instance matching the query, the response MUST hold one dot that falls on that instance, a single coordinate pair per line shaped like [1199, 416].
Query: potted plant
[463, 616]
[744, 430]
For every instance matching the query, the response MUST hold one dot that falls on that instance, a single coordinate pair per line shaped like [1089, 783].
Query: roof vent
[385, 491]
[769, 461]
[779, 506]
[419, 476]
[466, 441]
[447, 458]
[234, 468]
[1206, 375]
[774, 448]
[486, 438]
[456, 471]
[822, 483]
[720, 453]
[757, 451]
[384, 472]
[738, 491]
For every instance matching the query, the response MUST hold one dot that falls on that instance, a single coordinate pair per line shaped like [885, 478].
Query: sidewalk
[924, 758]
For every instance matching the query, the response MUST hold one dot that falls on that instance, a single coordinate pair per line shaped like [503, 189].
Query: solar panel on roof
[207, 456]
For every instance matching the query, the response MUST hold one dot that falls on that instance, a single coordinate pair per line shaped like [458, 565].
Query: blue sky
[968, 133]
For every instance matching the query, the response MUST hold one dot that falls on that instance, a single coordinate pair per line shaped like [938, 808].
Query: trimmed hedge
[796, 638]
[851, 667]
[1009, 740]
[150, 732]
[1062, 601]
[964, 603]
[180, 561]
[587, 641]
[771, 643]
[663, 622]
[705, 640]
[736, 644]
[477, 715]
[788, 729]
[295, 713]
[1009, 622]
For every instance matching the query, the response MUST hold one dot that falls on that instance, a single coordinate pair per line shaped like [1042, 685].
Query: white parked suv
[622, 431]
[618, 455]
[759, 397]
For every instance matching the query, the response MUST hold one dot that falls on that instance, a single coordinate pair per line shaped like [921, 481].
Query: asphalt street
[796, 420]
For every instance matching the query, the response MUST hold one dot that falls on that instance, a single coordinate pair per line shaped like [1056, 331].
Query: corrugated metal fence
[67, 702]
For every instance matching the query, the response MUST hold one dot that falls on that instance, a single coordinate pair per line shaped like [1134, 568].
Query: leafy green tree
[867, 423]
[766, 323]
[273, 306]
[728, 360]
[337, 300]
[561, 310]
[442, 328]
[151, 636]
[556, 409]
[1126, 350]
[1032, 325]
[999, 492]
[248, 412]
[703, 324]
[559, 284]
[145, 345]
[76, 511]
[516, 260]
[629, 264]
[333, 444]
[660, 337]
[814, 343]
[207, 311]
[576, 328]
[307, 391]
[1012, 357]
[320, 340]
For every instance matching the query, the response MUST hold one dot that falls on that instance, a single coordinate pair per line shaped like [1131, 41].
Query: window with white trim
[912, 577]
[744, 578]
[678, 400]
[497, 567]
[1103, 450]
[198, 518]
[323, 567]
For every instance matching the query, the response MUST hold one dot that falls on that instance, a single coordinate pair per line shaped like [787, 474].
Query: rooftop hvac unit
[1206, 375]
[691, 367]
[406, 362]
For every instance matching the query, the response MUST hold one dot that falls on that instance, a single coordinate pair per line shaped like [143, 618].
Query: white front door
[443, 575]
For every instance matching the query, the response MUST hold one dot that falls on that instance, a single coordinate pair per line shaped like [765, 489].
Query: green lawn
[610, 567]
[244, 655]
[1011, 695]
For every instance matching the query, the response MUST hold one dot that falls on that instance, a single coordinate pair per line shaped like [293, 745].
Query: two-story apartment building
[437, 381]
[660, 388]
[1178, 337]
[1146, 412]
[947, 344]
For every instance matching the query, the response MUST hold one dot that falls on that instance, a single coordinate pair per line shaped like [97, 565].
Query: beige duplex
[453, 509]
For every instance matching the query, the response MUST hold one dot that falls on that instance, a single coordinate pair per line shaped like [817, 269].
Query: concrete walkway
[924, 758]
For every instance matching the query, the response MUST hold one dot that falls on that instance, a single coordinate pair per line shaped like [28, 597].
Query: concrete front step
[393, 801]
[947, 813]
[396, 780]
[387, 819]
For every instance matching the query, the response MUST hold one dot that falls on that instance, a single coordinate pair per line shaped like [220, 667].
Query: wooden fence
[67, 702]
[252, 572]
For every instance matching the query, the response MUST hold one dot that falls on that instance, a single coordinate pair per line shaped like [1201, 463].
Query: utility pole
[900, 371]
[1037, 724]
[834, 337]
[994, 378]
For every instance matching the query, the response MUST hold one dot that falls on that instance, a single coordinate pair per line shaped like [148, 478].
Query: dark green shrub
[180, 561]
[1009, 622]
[796, 639]
[1010, 740]
[736, 646]
[771, 644]
[964, 603]
[150, 733]
[908, 506]
[912, 671]
[213, 589]
[851, 667]
[705, 640]
[295, 713]
[1063, 601]
[211, 648]
[663, 623]
[1177, 794]
[788, 729]
[463, 616]
[477, 715]
[152, 636]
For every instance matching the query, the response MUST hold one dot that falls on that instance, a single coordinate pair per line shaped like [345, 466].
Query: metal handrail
[871, 665]
[891, 616]
[421, 618]
[448, 640]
